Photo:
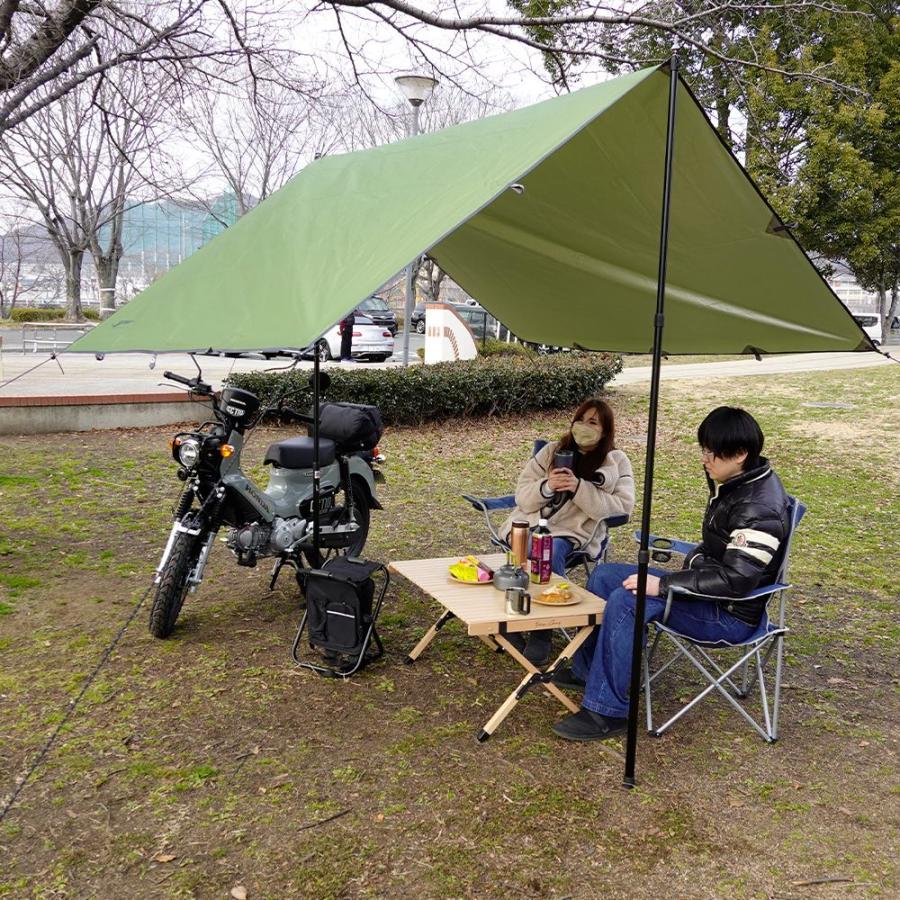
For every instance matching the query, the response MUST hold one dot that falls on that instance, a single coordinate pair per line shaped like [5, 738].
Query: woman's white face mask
[586, 435]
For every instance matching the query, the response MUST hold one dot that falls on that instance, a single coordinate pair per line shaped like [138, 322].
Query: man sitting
[746, 521]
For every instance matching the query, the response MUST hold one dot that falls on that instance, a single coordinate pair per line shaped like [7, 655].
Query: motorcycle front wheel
[173, 585]
[362, 514]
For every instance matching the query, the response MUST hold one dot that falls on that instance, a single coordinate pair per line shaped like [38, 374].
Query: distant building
[156, 236]
[847, 288]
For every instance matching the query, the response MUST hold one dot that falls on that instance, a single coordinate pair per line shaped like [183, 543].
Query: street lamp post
[417, 89]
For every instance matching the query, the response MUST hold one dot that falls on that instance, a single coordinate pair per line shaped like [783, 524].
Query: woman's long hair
[587, 463]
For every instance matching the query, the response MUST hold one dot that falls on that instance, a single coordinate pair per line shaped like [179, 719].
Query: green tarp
[570, 260]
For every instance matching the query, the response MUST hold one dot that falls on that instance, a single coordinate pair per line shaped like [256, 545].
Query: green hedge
[478, 387]
[493, 347]
[46, 314]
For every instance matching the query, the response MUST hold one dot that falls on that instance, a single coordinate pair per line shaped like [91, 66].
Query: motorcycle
[280, 521]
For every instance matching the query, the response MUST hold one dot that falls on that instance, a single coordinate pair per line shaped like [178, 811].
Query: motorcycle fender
[361, 469]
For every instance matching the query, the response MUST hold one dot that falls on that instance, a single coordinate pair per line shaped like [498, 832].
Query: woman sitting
[599, 484]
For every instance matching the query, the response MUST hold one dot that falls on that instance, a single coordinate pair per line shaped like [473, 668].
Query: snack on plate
[557, 593]
[471, 569]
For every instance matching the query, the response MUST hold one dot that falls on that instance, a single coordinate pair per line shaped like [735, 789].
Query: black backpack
[352, 426]
[340, 615]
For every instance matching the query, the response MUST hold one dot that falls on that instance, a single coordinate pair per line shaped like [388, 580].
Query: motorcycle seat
[297, 453]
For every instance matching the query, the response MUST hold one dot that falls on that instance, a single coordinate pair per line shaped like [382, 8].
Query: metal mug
[518, 602]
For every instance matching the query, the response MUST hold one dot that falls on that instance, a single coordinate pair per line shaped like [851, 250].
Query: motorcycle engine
[263, 540]
[286, 533]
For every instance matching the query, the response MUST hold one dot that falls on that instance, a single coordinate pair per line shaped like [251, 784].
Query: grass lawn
[209, 761]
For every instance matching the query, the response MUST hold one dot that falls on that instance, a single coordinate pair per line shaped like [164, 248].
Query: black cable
[72, 706]
[27, 371]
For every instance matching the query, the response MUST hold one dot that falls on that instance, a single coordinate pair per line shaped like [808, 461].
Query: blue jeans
[562, 547]
[604, 662]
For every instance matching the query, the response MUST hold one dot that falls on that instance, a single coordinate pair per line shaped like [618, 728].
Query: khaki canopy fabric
[549, 215]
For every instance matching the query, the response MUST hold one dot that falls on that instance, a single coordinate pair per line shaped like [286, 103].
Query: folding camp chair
[579, 556]
[757, 648]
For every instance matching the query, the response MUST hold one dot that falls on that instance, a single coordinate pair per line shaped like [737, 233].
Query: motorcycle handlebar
[195, 384]
[287, 411]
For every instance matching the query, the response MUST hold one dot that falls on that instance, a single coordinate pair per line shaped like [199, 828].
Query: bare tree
[77, 161]
[256, 133]
[12, 263]
[49, 48]
[430, 279]
[572, 29]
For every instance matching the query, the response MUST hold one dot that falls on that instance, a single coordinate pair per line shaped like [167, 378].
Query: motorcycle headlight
[189, 453]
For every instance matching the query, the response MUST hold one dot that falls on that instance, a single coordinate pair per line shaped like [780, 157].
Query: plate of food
[472, 571]
[559, 594]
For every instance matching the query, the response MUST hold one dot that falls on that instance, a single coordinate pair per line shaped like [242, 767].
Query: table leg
[490, 643]
[552, 689]
[429, 636]
[503, 710]
[529, 680]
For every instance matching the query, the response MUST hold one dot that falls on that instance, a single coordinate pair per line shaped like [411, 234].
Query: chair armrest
[752, 595]
[483, 504]
[609, 522]
[668, 544]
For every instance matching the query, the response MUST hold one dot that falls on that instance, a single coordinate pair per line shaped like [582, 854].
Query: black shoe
[537, 649]
[517, 639]
[566, 678]
[589, 726]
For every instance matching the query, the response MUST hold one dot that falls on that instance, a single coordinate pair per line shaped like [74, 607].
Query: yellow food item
[558, 593]
[470, 569]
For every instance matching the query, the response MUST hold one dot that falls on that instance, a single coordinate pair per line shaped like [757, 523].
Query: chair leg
[648, 700]
[776, 700]
[764, 699]
[715, 684]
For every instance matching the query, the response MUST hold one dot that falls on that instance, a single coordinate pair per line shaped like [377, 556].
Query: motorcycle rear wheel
[173, 585]
[316, 558]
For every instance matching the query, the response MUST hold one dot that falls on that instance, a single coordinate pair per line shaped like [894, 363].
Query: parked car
[377, 309]
[369, 340]
[417, 319]
[478, 319]
[871, 325]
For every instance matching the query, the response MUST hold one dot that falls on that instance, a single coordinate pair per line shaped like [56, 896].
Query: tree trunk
[7, 303]
[107, 273]
[723, 107]
[72, 261]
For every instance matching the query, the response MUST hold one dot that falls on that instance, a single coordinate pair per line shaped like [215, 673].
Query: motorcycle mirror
[324, 381]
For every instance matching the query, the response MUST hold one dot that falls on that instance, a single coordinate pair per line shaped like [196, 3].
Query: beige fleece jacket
[590, 503]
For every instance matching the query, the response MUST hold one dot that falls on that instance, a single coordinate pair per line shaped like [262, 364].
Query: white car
[871, 325]
[369, 340]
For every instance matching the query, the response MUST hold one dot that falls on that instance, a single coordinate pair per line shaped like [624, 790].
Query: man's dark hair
[728, 431]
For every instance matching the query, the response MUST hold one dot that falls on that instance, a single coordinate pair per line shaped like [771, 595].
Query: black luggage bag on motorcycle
[341, 611]
[352, 426]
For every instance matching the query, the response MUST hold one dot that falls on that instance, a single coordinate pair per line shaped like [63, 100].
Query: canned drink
[518, 542]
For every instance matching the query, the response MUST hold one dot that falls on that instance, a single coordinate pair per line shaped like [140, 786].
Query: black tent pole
[644, 551]
[316, 473]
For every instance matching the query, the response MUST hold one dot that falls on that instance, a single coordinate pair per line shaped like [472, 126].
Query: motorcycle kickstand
[276, 571]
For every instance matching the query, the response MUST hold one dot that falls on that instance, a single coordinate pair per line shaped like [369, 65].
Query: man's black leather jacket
[744, 531]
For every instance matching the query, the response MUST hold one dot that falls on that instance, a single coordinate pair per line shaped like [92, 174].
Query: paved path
[130, 373]
[772, 365]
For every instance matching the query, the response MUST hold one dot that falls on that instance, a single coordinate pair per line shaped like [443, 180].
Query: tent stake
[643, 552]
